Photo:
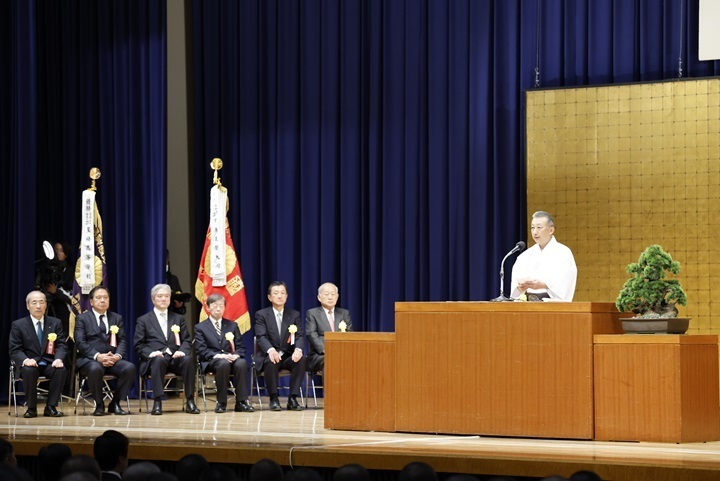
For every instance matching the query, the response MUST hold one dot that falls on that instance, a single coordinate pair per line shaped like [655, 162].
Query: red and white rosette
[230, 338]
[176, 330]
[292, 329]
[113, 335]
[50, 349]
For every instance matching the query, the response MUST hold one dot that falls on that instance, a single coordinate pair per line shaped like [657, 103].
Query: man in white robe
[547, 270]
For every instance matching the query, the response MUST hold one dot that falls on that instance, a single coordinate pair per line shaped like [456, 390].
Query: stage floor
[299, 439]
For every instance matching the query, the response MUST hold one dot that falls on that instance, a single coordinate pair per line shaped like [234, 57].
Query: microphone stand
[501, 297]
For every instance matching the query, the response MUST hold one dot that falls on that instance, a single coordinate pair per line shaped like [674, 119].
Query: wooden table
[651, 387]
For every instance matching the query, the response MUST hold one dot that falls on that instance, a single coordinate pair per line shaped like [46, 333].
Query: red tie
[331, 318]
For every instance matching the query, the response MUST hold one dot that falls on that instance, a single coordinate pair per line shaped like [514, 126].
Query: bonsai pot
[658, 325]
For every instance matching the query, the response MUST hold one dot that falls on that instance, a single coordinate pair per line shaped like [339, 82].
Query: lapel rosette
[113, 335]
[176, 331]
[50, 349]
[292, 329]
[230, 338]
[342, 326]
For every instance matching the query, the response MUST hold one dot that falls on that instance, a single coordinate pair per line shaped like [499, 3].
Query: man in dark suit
[162, 342]
[37, 346]
[280, 343]
[220, 350]
[319, 320]
[102, 348]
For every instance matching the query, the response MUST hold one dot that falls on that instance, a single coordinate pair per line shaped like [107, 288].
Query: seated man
[547, 270]
[37, 346]
[220, 349]
[162, 342]
[280, 341]
[319, 320]
[102, 348]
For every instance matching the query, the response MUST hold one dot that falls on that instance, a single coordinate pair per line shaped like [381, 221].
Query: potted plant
[652, 296]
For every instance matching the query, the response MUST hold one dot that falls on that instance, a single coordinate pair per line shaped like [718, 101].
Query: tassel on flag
[219, 271]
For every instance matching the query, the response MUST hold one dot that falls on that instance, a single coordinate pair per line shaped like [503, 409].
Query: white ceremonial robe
[554, 265]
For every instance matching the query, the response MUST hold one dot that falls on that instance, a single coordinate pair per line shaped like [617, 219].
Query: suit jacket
[267, 335]
[24, 342]
[149, 337]
[90, 339]
[317, 324]
[208, 344]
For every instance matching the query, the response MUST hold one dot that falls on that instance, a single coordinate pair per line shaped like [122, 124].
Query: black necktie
[101, 323]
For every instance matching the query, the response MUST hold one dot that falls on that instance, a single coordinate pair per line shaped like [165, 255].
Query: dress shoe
[275, 405]
[190, 407]
[99, 409]
[115, 408]
[30, 413]
[221, 408]
[293, 405]
[157, 408]
[244, 407]
[52, 412]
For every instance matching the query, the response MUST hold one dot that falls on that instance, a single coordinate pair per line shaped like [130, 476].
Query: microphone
[519, 247]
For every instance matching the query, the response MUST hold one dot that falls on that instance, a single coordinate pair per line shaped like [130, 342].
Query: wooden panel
[656, 388]
[512, 369]
[360, 381]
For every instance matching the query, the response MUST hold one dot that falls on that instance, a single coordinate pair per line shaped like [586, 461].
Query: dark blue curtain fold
[86, 87]
[380, 145]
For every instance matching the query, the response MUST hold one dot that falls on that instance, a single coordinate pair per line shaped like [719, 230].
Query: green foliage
[648, 293]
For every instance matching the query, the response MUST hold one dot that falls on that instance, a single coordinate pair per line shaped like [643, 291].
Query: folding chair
[311, 375]
[13, 393]
[144, 391]
[202, 382]
[256, 373]
[107, 392]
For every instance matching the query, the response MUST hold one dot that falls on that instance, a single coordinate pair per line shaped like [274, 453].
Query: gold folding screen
[625, 166]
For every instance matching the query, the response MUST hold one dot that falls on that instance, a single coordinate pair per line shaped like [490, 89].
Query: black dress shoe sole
[241, 408]
[30, 415]
[295, 408]
[275, 408]
[99, 413]
[53, 415]
[155, 412]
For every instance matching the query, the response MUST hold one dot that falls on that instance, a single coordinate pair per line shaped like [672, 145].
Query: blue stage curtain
[84, 86]
[380, 144]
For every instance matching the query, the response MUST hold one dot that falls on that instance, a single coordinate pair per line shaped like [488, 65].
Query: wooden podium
[661, 388]
[504, 369]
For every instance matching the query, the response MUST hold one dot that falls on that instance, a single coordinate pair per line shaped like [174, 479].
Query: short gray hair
[542, 213]
[213, 298]
[159, 287]
[327, 284]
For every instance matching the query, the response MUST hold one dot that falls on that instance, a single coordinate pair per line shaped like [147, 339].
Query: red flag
[236, 307]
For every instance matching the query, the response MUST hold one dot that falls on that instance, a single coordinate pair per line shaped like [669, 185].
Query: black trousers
[180, 366]
[222, 370]
[56, 379]
[123, 370]
[297, 373]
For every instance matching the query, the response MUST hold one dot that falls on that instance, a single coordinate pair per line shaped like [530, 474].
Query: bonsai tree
[648, 293]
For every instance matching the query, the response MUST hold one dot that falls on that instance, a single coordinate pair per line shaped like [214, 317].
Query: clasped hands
[275, 356]
[525, 284]
[108, 359]
[175, 355]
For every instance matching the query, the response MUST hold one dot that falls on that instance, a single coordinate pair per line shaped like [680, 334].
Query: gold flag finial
[216, 165]
[94, 175]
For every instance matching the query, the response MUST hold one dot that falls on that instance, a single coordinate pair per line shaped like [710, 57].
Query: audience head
[141, 471]
[351, 472]
[417, 471]
[79, 476]
[111, 451]
[163, 476]
[303, 474]
[554, 477]
[51, 459]
[190, 467]
[218, 473]
[585, 475]
[462, 477]
[266, 470]
[7, 453]
[80, 463]
[13, 473]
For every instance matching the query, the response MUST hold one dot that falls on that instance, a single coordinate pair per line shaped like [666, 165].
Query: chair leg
[312, 381]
